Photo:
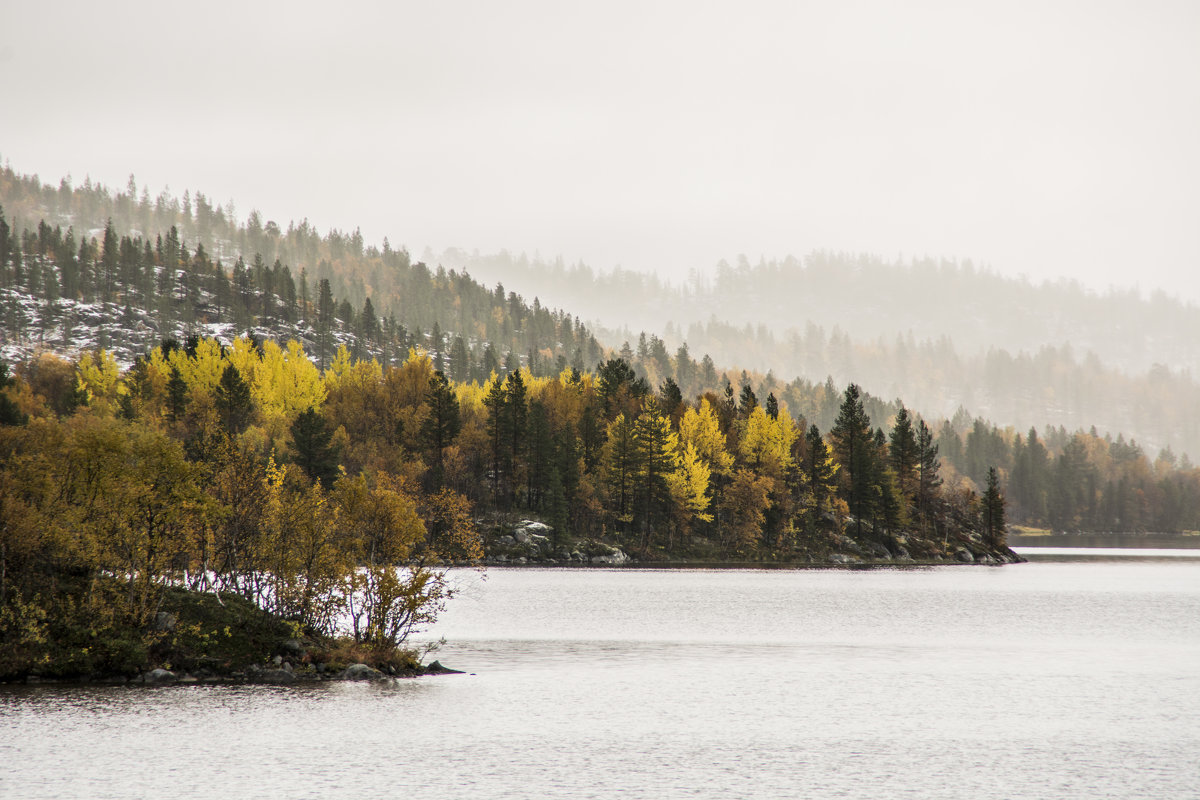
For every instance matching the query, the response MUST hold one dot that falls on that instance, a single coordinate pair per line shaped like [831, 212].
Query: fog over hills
[940, 334]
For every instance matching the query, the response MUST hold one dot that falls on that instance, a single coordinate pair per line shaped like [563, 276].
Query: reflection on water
[1048, 679]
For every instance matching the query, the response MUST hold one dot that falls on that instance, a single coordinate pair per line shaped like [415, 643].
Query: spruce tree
[441, 425]
[233, 403]
[822, 472]
[854, 446]
[992, 511]
[313, 449]
[177, 392]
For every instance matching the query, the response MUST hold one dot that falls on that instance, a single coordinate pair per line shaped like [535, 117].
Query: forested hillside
[75, 299]
[940, 334]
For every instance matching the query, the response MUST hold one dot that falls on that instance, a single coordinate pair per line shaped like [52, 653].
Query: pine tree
[232, 398]
[772, 406]
[822, 470]
[902, 453]
[928, 477]
[854, 446]
[325, 311]
[460, 360]
[656, 447]
[441, 425]
[618, 464]
[992, 511]
[539, 455]
[747, 402]
[313, 449]
[177, 393]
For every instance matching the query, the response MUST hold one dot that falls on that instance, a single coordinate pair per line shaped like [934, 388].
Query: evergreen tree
[928, 469]
[5, 249]
[655, 446]
[822, 472]
[747, 402]
[10, 413]
[903, 455]
[109, 261]
[460, 360]
[233, 402]
[992, 511]
[854, 446]
[325, 312]
[313, 449]
[441, 425]
[618, 464]
[772, 406]
[368, 324]
[177, 393]
[539, 455]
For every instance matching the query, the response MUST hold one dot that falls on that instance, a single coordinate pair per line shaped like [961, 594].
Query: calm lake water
[1053, 679]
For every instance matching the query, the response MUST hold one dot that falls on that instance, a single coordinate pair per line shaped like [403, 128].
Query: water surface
[1048, 679]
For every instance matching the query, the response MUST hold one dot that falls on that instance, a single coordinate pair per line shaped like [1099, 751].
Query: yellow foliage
[201, 372]
[99, 377]
[767, 442]
[689, 483]
[701, 428]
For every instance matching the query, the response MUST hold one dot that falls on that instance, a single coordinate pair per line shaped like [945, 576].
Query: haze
[1049, 140]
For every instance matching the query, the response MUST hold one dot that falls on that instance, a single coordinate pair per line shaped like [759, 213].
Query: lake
[1056, 678]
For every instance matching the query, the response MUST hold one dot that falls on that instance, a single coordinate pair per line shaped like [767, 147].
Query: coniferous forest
[284, 417]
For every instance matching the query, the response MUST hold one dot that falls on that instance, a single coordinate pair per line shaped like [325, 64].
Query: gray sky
[1043, 138]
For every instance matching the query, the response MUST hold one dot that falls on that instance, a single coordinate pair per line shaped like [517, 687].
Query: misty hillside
[919, 299]
[940, 335]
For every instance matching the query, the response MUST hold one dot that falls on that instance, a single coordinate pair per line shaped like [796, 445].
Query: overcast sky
[1042, 138]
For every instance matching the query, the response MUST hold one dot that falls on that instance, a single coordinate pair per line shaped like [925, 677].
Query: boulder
[964, 555]
[165, 621]
[159, 676]
[436, 668]
[361, 672]
[614, 557]
[842, 558]
[277, 676]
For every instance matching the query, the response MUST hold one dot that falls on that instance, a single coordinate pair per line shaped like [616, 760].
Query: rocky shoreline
[279, 672]
[530, 543]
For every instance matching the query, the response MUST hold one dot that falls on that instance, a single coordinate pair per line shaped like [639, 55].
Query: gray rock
[165, 621]
[361, 672]
[507, 541]
[842, 558]
[964, 555]
[614, 557]
[160, 676]
[293, 647]
[277, 676]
